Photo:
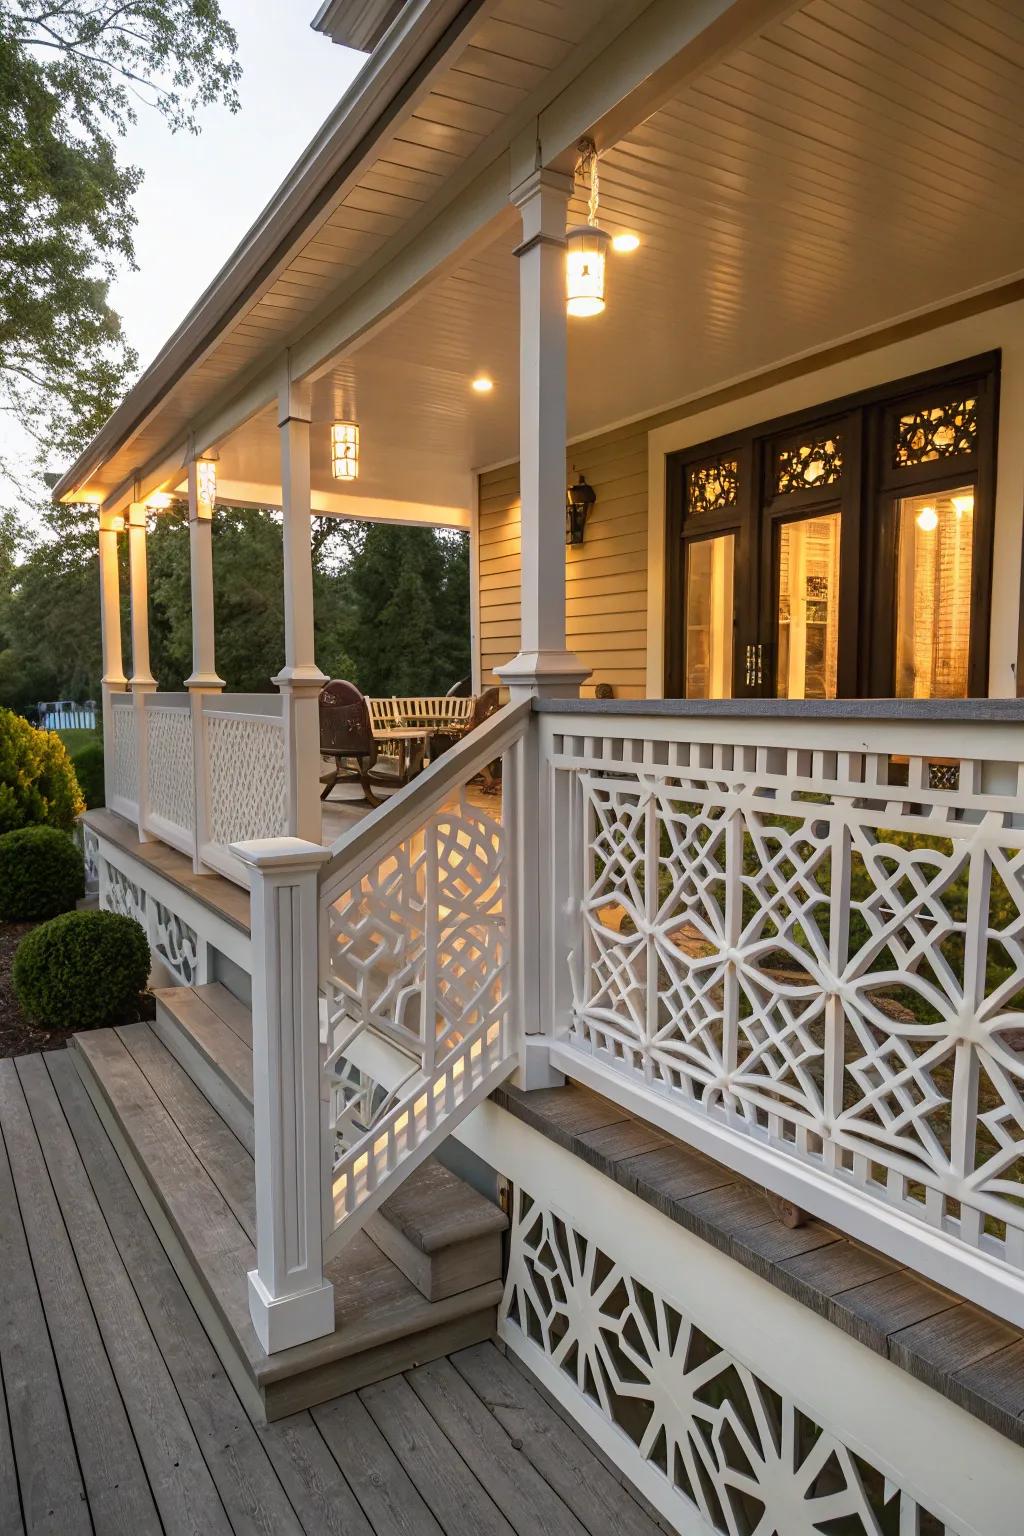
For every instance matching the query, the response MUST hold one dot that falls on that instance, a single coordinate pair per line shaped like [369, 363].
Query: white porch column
[203, 678]
[113, 680]
[544, 665]
[142, 679]
[300, 680]
[290, 1302]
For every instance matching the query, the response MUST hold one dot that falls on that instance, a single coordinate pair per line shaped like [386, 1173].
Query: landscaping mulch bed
[18, 1035]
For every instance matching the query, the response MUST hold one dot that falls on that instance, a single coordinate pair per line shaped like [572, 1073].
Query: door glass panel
[808, 619]
[709, 617]
[933, 594]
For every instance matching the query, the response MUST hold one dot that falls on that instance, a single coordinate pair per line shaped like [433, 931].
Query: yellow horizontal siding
[606, 576]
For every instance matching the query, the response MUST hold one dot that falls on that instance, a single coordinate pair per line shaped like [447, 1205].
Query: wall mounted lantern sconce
[579, 499]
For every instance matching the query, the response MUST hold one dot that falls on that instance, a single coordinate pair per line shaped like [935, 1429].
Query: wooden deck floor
[116, 1416]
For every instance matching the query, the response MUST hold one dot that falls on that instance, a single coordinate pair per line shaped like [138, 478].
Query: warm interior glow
[586, 247]
[933, 594]
[158, 501]
[345, 450]
[482, 384]
[709, 617]
[808, 617]
[206, 483]
[625, 243]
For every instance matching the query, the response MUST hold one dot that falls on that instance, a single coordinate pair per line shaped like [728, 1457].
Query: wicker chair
[346, 737]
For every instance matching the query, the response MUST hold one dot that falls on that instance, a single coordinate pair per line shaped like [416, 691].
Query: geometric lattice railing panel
[170, 766]
[248, 795]
[822, 952]
[732, 1448]
[416, 970]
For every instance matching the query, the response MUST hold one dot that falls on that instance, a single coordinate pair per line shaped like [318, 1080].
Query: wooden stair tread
[434, 1209]
[228, 1009]
[206, 1029]
[375, 1304]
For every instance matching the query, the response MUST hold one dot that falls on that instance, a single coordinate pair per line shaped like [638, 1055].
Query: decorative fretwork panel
[418, 952]
[170, 766]
[734, 1449]
[933, 432]
[175, 942]
[248, 794]
[820, 951]
[712, 487]
[126, 751]
[809, 465]
[119, 894]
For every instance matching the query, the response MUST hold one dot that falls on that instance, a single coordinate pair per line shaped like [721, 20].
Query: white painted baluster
[289, 1299]
[204, 679]
[114, 680]
[142, 682]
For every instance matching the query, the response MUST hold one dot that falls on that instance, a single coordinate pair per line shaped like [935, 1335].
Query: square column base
[285, 1321]
[544, 674]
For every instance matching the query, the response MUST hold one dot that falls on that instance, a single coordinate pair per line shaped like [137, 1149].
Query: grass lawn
[75, 739]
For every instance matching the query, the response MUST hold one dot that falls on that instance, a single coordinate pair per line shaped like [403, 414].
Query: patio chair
[485, 705]
[460, 690]
[347, 737]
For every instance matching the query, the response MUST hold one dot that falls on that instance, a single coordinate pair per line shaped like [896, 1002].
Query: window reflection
[709, 617]
[808, 617]
[933, 594]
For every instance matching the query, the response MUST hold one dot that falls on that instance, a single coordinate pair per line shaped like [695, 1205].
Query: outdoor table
[411, 741]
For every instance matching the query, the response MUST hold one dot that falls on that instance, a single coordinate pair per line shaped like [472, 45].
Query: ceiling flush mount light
[927, 519]
[625, 243]
[579, 499]
[206, 485]
[345, 450]
[482, 385]
[586, 246]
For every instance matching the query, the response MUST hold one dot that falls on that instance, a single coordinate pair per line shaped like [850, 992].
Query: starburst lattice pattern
[734, 1450]
[170, 766]
[812, 955]
[248, 794]
[712, 487]
[126, 751]
[418, 952]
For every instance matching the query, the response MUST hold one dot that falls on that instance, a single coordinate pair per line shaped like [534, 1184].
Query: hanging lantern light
[345, 450]
[206, 485]
[579, 499]
[586, 247]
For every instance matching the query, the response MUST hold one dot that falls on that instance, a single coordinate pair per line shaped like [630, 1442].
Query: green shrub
[88, 765]
[42, 873]
[37, 782]
[82, 970]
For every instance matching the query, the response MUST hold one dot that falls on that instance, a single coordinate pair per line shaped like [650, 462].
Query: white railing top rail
[404, 812]
[268, 704]
[952, 711]
[167, 700]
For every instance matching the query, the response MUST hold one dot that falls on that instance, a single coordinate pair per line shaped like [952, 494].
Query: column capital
[138, 514]
[293, 396]
[205, 682]
[110, 522]
[543, 201]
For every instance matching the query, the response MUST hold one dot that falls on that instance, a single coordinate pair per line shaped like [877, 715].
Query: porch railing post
[289, 1300]
[543, 665]
[203, 679]
[142, 680]
[300, 680]
[114, 680]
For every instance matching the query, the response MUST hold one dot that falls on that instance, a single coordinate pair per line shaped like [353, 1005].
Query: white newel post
[544, 665]
[203, 679]
[289, 1300]
[300, 680]
[142, 680]
[114, 680]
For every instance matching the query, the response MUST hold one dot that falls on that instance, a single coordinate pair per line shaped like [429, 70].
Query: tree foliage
[72, 76]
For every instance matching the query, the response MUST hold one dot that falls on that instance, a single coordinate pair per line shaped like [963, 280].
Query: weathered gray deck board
[409, 1457]
[178, 1476]
[118, 1490]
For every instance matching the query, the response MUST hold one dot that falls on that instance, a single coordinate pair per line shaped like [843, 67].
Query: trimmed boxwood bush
[42, 873]
[37, 782]
[88, 765]
[82, 970]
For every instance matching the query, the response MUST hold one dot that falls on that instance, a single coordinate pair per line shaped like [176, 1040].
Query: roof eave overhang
[356, 25]
[420, 38]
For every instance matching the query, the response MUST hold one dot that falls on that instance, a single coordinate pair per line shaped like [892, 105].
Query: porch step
[195, 1179]
[443, 1236]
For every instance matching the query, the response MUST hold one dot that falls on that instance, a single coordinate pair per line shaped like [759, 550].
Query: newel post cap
[281, 854]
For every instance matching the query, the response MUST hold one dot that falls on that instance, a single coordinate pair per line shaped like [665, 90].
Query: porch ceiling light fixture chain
[586, 245]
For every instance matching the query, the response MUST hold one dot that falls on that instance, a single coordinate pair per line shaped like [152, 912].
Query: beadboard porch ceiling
[860, 161]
